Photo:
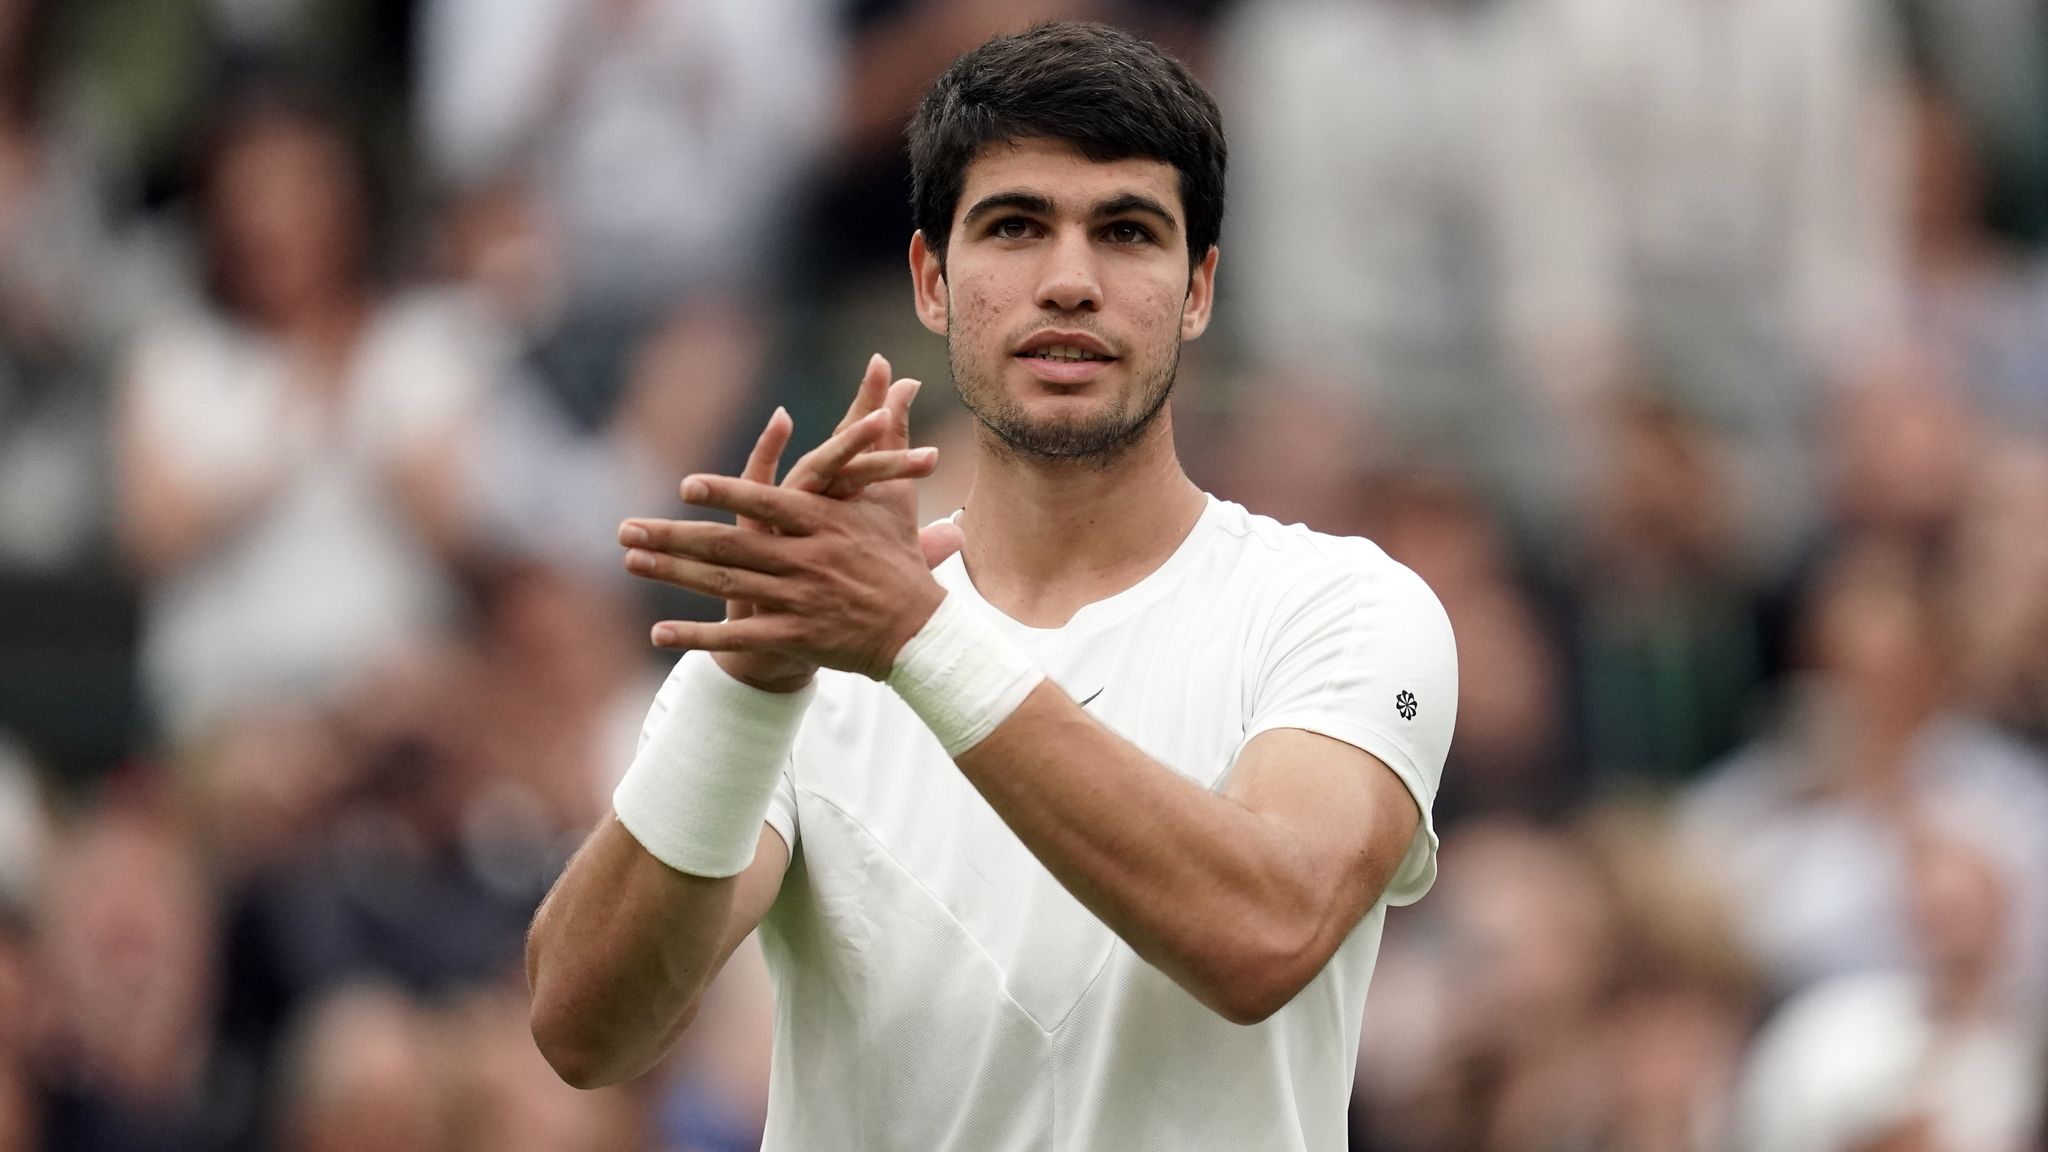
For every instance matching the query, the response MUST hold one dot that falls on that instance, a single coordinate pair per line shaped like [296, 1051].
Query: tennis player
[1083, 838]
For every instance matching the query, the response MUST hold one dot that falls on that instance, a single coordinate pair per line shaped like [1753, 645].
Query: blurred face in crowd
[287, 219]
[364, 1076]
[1064, 295]
[127, 952]
[1871, 625]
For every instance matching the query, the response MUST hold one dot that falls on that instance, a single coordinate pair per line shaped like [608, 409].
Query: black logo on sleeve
[1405, 704]
[1091, 698]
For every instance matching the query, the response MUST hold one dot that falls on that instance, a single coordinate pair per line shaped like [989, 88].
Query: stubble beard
[1099, 440]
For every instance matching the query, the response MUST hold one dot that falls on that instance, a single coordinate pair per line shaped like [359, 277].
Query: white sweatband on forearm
[962, 676]
[699, 787]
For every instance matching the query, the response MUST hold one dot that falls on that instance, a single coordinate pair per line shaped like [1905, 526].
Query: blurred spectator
[364, 1071]
[1977, 303]
[128, 968]
[285, 478]
[1939, 1054]
[1524, 956]
[65, 293]
[1708, 194]
[507, 1099]
[1364, 245]
[1989, 58]
[1805, 829]
[1667, 620]
[1901, 439]
[1576, 990]
[559, 451]
[663, 136]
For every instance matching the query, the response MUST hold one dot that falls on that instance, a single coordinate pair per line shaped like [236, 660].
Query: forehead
[1059, 172]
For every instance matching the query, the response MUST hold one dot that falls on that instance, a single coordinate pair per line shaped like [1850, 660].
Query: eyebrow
[1131, 202]
[1033, 203]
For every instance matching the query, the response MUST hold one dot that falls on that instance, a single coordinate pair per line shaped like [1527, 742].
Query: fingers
[880, 467]
[816, 470]
[938, 541]
[710, 579]
[727, 545]
[753, 634]
[873, 390]
[901, 394]
[784, 509]
[767, 452]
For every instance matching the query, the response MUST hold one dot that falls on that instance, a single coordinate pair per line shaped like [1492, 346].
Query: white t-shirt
[327, 576]
[936, 987]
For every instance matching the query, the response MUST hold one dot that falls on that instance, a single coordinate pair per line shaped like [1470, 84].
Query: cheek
[977, 311]
[1161, 304]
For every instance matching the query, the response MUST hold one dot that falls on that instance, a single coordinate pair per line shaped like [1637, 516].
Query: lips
[1064, 345]
[1065, 358]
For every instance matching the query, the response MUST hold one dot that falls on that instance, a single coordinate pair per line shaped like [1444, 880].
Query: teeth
[1066, 352]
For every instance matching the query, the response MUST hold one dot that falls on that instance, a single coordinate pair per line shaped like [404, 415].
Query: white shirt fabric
[327, 577]
[937, 988]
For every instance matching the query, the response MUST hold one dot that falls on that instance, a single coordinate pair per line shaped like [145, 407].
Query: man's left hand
[841, 583]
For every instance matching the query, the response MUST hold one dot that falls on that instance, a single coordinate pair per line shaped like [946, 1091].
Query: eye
[1128, 232]
[1013, 228]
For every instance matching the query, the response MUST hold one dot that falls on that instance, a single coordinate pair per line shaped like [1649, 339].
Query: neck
[1047, 537]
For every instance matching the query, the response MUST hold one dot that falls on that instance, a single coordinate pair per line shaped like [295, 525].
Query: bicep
[1342, 811]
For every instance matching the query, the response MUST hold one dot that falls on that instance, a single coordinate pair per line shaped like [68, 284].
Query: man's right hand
[868, 457]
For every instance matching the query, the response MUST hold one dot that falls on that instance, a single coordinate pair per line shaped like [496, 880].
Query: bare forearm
[1211, 893]
[619, 954]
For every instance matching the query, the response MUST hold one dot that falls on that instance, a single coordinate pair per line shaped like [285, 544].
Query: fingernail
[663, 634]
[875, 361]
[638, 561]
[694, 489]
[781, 413]
[631, 534]
[916, 386]
[924, 455]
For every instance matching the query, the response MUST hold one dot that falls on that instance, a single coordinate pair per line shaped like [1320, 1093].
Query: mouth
[1063, 358]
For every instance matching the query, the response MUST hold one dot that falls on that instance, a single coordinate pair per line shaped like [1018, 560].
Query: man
[1086, 835]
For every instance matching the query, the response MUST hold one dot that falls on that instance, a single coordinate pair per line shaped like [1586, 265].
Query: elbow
[1252, 1001]
[576, 1056]
[582, 1056]
[1259, 976]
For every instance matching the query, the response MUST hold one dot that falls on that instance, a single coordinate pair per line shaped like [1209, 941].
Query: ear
[1194, 314]
[928, 278]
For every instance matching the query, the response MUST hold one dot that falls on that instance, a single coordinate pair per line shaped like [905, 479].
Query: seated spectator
[284, 451]
[1932, 1057]
[1666, 618]
[1804, 828]
[365, 1070]
[128, 971]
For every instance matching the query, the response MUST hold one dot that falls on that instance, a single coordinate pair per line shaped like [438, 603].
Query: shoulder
[1302, 568]
[182, 339]
[189, 364]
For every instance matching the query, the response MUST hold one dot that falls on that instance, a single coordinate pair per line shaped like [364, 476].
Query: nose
[1067, 276]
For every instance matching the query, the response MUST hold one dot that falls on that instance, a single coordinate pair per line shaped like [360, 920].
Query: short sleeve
[1363, 653]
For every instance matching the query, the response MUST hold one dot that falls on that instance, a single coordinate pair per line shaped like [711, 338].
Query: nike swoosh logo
[1091, 699]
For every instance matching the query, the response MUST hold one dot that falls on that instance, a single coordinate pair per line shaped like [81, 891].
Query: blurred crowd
[1694, 351]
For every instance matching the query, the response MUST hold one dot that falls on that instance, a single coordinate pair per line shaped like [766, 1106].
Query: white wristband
[699, 787]
[962, 676]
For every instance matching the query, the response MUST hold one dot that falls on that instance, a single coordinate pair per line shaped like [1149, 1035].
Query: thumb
[939, 540]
